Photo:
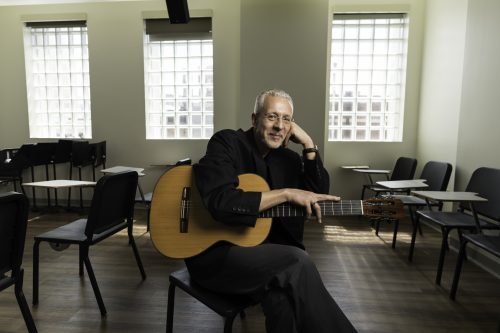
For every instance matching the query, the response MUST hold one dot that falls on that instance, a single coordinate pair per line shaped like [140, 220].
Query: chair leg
[136, 252]
[412, 218]
[55, 190]
[442, 254]
[394, 235]
[228, 324]
[413, 237]
[33, 188]
[93, 282]
[81, 255]
[81, 190]
[377, 226]
[170, 307]
[458, 269]
[23, 305]
[48, 189]
[36, 256]
[69, 188]
[148, 213]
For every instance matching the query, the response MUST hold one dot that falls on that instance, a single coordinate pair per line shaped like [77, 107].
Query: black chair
[13, 222]
[62, 155]
[227, 306]
[490, 244]
[403, 169]
[99, 157]
[82, 155]
[486, 183]
[13, 163]
[41, 154]
[437, 176]
[147, 198]
[111, 211]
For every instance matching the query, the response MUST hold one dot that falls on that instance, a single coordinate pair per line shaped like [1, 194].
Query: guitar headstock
[387, 207]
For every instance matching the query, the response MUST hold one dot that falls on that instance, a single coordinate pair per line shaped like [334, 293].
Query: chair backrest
[13, 221]
[404, 168]
[486, 183]
[43, 153]
[113, 202]
[63, 151]
[99, 153]
[81, 153]
[437, 175]
[21, 158]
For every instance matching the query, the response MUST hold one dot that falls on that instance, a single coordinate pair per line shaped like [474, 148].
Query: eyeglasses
[273, 117]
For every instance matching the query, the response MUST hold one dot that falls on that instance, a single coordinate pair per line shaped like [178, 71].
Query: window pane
[58, 82]
[185, 82]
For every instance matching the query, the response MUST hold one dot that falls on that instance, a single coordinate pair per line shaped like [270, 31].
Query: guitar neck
[328, 208]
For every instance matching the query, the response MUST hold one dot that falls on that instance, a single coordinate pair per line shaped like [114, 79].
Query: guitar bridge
[184, 219]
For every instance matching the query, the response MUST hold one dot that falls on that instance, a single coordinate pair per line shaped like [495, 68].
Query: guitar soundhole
[184, 220]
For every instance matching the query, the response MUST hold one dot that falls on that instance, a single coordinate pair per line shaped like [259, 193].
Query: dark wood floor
[378, 289]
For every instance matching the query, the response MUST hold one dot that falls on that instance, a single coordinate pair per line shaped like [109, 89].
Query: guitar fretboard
[328, 208]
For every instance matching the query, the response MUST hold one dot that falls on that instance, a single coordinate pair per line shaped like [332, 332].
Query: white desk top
[403, 184]
[374, 171]
[449, 196]
[119, 168]
[355, 167]
[60, 183]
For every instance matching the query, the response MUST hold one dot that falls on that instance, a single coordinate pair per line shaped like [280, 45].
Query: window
[179, 79]
[57, 77]
[367, 77]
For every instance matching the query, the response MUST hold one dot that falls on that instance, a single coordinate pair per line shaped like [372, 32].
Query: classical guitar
[181, 227]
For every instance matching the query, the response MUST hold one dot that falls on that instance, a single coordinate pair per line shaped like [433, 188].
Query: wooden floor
[378, 289]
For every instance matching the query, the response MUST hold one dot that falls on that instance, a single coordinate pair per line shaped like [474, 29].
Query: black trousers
[282, 278]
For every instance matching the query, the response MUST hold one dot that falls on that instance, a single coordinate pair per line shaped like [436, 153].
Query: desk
[60, 183]
[350, 167]
[445, 196]
[120, 168]
[369, 172]
[403, 184]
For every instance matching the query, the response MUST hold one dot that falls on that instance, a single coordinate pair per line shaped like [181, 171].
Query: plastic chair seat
[410, 200]
[455, 220]
[486, 242]
[74, 233]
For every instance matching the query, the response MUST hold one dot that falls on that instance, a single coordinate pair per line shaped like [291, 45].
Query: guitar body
[169, 211]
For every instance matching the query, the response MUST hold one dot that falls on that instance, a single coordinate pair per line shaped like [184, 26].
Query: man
[278, 273]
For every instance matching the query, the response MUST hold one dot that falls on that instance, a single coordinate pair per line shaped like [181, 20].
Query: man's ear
[254, 119]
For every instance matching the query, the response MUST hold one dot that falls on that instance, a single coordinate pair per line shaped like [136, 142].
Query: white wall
[283, 45]
[478, 134]
[441, 89]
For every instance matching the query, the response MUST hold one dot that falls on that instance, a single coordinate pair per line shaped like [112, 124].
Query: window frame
[179, 90]
[58, 79]
[381, 112]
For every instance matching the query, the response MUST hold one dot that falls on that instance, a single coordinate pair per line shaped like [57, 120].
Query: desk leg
[476, 219]
[141, 192]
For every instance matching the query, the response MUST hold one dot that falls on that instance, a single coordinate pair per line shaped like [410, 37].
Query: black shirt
[231, 153]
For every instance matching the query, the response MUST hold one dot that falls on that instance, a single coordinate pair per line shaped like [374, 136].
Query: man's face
[273, 123]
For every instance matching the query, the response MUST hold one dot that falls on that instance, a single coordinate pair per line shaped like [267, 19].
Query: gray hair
[261, 97]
